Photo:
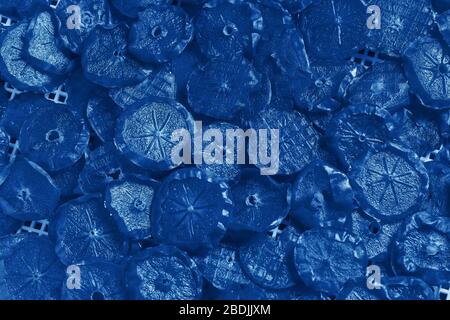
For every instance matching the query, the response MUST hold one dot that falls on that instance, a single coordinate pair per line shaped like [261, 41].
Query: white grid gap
[54, 3]
[6, 21]
[366, 58]
[444, 293]
[12, 92]
[13, 150]
[278, 230]
[59, 96]
[40, 227]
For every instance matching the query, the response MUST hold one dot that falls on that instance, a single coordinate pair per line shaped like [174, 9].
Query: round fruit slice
[144, 132]
[28, 193]
[327, 259]
[163, 273]
[105, 60]
[15, 69]
[427, 67]
[190, 211]
[33, 271]
[54, 138]
[42, 48]
[87, 233]
[222, 89]
[227, 28]
[334, 29]
[259, 202]
[357, 129]
[422, 248]
[130, 203]
[390, 184]
[161, 33]
[383, 85]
